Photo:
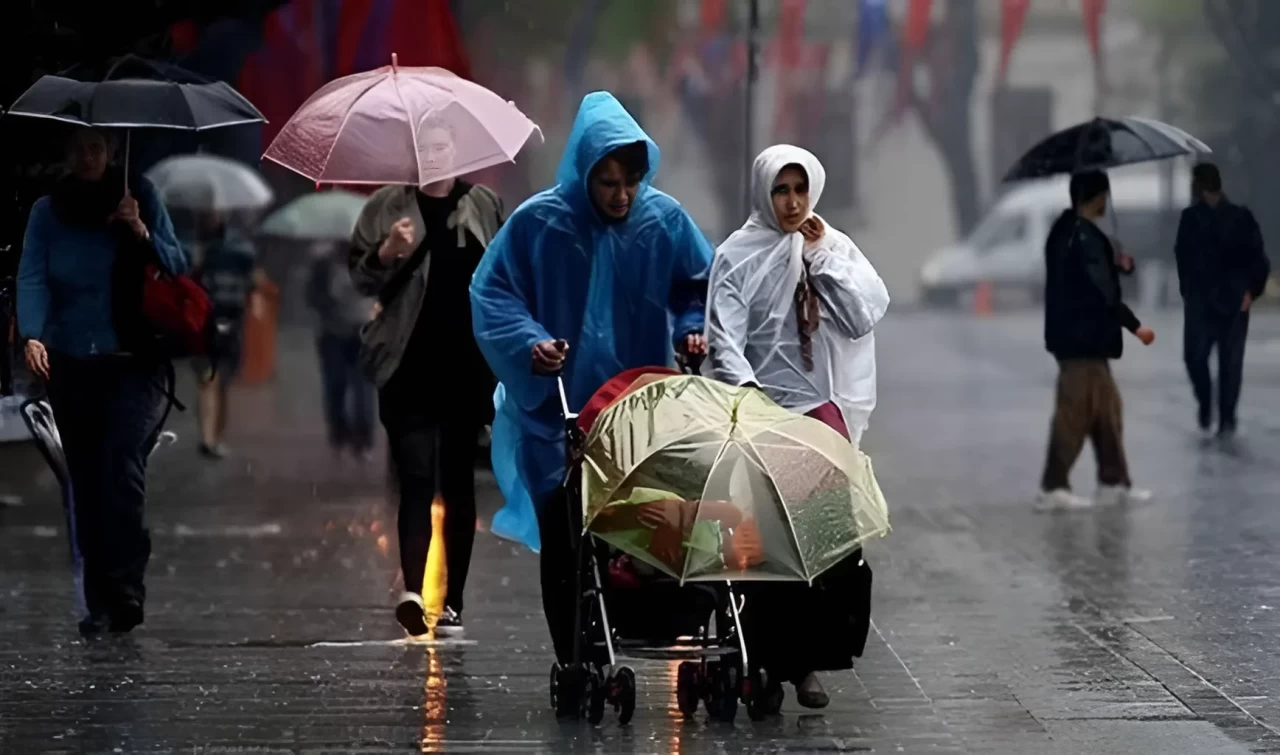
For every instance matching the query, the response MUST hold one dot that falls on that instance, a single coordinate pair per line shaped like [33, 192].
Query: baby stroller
[683, 493]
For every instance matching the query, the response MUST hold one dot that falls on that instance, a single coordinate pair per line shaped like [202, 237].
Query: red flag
[419, 32]
[914, 36]
[917, 25]
[286, 68]
[1092, 11]
[1013, 13]
[712, 16]
[353, 17]
[786, 59]
[425, 33]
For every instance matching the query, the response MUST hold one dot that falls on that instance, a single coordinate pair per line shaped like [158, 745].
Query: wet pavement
[269, 629]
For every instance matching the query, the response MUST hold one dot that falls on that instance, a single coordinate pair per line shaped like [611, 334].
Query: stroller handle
[564, 399]
[690, 364]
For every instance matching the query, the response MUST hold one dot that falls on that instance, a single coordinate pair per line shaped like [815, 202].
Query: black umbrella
[137, 93]
[1104, 143]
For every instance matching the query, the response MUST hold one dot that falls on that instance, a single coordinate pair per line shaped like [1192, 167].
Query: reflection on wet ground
[1144, 630]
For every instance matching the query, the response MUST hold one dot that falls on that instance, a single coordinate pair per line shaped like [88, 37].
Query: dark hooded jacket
[1083, 312]
[1220, 257]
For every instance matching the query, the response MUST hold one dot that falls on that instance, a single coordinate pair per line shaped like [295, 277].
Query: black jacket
[1220, 257]
[1083, 313]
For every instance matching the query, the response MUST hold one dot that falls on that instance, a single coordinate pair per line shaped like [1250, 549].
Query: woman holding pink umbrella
[415, 247]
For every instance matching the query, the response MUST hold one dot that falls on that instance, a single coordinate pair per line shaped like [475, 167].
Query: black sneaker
[411, 615]
[449, 624]
[1204, 418]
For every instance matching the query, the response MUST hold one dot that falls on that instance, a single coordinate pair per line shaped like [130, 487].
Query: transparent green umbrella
[705, 481]
[322, 216]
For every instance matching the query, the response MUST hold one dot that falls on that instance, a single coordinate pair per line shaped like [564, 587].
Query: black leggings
[433, 456]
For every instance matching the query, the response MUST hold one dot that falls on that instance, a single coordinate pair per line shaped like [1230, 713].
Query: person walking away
[227, 270]
[599, 274]
[792, 305]
[1084, 317]
[341, 311]
[83, 244]
[416, 250]
[1222, 269]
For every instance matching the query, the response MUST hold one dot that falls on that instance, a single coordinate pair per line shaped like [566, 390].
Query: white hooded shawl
[752, 328]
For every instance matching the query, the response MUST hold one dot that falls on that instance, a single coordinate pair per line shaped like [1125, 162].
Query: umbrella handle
[128, 140]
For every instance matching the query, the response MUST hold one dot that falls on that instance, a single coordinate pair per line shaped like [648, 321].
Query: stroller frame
[712, 665]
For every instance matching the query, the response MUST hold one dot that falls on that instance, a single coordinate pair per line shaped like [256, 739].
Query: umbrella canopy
[400, 126]
[138, 93]
[1105, 143]
[705, 481]
[205, 182]
[323, 216]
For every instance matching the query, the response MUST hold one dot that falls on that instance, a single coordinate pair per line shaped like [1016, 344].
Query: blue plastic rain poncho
[621, 294]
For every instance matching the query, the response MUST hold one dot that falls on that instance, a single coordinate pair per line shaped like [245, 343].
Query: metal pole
[749, 116]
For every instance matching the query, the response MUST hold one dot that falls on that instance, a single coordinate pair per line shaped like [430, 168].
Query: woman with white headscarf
[792, 301]
[791, 306]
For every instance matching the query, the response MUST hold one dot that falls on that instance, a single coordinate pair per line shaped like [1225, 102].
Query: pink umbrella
[400, 126]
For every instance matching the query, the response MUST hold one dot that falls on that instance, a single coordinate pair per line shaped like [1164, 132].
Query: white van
[1006, 248]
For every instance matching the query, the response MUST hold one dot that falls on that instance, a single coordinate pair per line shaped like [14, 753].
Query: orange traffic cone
[984, 299]
[260, 334]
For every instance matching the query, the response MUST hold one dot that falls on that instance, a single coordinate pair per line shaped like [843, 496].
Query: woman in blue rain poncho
[597, 275]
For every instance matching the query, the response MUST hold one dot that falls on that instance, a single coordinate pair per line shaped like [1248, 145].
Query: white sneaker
[411, 614]
[1061, 500]
[1118, 495]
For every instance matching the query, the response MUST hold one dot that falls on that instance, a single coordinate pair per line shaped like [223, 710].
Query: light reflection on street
[435, 705]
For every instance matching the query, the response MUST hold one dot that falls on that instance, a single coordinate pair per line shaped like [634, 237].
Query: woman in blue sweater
[82, 251]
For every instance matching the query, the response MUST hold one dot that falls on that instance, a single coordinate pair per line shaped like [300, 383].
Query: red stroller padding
[616, 388]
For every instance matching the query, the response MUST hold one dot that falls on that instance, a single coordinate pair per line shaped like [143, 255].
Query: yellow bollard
[435, 578]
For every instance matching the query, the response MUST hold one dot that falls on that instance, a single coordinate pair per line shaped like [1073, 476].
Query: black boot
[94, 625]
[126, 615]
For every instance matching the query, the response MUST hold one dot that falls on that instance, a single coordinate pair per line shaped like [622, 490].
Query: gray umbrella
[322, 216]
[1105, 143]
[206, 182]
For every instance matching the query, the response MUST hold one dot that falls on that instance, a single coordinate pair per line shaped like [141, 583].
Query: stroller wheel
[687, 688]
[594, 697]
[763, 696]
[623, 694]
[726, 688]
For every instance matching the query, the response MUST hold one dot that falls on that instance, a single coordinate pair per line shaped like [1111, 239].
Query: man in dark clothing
[1222, 268]
[1084, 316]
